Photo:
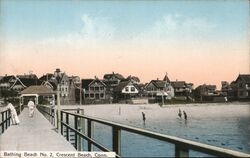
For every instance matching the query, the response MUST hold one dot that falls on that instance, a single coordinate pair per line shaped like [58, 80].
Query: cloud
[95, 30]
[176, 26]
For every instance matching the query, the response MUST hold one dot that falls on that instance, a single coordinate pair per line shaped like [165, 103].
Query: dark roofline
[121, 85]
[244, 77]
[117, 75]
[85, 83]
[6, 78]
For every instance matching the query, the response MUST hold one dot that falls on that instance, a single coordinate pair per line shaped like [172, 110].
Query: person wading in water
[179, 114]
[185, 115]
[143, 117]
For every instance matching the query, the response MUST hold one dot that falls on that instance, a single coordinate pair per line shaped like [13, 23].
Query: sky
[195, 41]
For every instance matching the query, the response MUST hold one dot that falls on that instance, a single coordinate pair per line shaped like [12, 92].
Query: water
[223, 125]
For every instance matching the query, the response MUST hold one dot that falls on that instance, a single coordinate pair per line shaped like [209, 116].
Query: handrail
[51, 113]
[101, 147]
[182, 146]
[5, 116]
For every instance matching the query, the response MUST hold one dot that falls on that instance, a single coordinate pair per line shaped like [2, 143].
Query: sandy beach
[119, 112]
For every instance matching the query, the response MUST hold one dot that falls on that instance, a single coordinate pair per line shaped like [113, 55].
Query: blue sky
[41, 19]
[203, 41]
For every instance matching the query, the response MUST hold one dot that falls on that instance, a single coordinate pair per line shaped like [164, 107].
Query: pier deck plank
[33, 134]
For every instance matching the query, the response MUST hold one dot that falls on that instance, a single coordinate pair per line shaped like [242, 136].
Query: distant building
[242, 87]
[208, 93]
[182, 90]
[66, 87]
[158, 89]
[49, 81]
[29, 76]
[226, 90]
[111, 81]
[133, 79]
[126, 90]
[23, 82]
[238, 89]
[7, 81]
[94, 90]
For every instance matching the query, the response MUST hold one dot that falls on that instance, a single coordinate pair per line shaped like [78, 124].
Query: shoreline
[154, 111]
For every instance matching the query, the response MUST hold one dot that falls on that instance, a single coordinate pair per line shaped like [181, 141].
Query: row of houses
[114, 87]
[238, 89]
[11, 84]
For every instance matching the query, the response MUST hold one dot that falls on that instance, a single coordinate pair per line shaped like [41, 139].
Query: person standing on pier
[13, 114]
[185, 115]
[31, 106]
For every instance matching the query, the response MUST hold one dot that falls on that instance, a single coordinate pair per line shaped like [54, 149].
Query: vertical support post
[56, 117]
[61, 123]
[181, 151]
[52, 108]
[80, 91]
[20, 105]
[80, 129]
[53, 116]
[84, 92]
[8, 121]
[75, 126]
[50, 115]
[6, 118]
[162, 97]
[58, 107]
[90, 133]
[117, 140]
[2, 121]
[67, 129]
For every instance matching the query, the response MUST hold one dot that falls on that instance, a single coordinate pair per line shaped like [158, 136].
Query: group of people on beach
[179, 114]
[184, 113]
[14, 118]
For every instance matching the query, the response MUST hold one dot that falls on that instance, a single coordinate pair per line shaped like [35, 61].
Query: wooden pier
[33, 134]
[37, 134]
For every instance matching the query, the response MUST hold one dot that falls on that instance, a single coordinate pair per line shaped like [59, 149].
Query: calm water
[231, 132]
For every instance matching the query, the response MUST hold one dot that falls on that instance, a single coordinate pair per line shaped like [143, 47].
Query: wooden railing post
[80, 129]
[75, 126]
[2, 121]
[8, 121]
[61, 121]
[6, 118]
[67, 129]
[117, 140]
[90, 132]
[181, 151]
[52, 116]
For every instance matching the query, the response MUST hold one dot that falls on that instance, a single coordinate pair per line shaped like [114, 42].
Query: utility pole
[162, 98]
[80, 91]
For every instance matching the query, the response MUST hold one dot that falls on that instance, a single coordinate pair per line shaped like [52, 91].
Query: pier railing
[182, 146]
[5, 120]
[48, 112]
[5, 117]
